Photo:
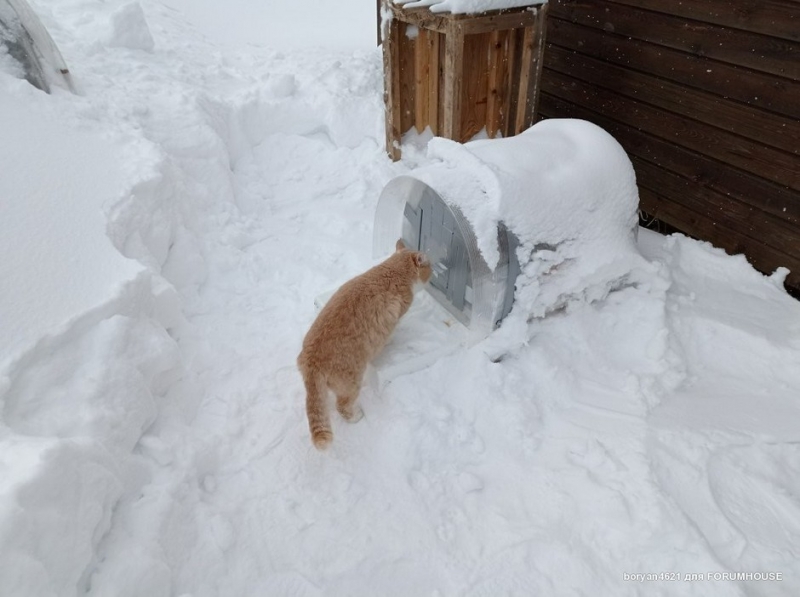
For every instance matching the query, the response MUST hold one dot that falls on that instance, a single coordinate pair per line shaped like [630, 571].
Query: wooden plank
[692, 223]
[434, 77]
[512, 74]
[498, 58]
[420, 17]
[760, 160]
[759, 52]
[731, 182]
[534, 82]
[777, 18]
[510, 19]
[526, 67]
[422, 64]
[391, 92]
[379, 21]
[733, 82]
[406, 47]
[475, 85]
[771, 129]
[453, 80]
[441, 86]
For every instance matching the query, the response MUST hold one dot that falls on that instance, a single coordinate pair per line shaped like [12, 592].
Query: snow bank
[109, 196]
[84, 352]
[53, 223]
[85, 355]
[130, 29]
[61, 490]
[467, 6]
[731, 425]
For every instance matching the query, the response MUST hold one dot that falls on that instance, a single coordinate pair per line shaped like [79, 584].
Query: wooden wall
[705, 97]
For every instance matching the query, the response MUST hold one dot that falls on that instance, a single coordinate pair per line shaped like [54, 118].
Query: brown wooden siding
[705, 97]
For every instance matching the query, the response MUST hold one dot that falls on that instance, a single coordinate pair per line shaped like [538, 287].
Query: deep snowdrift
[166, 234]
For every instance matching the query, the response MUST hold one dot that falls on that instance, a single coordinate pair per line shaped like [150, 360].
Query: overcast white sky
[342, 23]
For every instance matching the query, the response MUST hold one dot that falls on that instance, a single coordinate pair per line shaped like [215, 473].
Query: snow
[165, 234]
[55, 181]
[130, 30]
[566, 189]
[467, 6]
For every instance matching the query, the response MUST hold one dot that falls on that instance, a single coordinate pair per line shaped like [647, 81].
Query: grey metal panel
[459, 273]
[435, 228]
[411, 233]
[435, 240]
[511, 245]
[441, 236]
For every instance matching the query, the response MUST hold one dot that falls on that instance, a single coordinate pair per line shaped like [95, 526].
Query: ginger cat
[350, 331]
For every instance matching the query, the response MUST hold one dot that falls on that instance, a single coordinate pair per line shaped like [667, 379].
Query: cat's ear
[421, 259]
[400, 246]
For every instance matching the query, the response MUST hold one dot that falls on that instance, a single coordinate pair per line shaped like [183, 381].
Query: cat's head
[419, 259]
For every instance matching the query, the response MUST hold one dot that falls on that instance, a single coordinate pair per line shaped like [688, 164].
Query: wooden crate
[460, 74]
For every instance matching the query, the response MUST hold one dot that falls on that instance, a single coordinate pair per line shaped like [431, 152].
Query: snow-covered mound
[164, 236]
[567, 191]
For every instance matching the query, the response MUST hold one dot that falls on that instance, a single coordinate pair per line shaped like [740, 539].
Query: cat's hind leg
[347, 391]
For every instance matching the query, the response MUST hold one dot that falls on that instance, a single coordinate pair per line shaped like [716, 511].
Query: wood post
[453, 81]
[391, 88]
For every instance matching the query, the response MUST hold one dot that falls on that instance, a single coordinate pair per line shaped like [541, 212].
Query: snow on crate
[467, 6]
[539, 220]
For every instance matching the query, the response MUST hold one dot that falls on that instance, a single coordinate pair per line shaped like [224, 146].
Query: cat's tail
[319, 421]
